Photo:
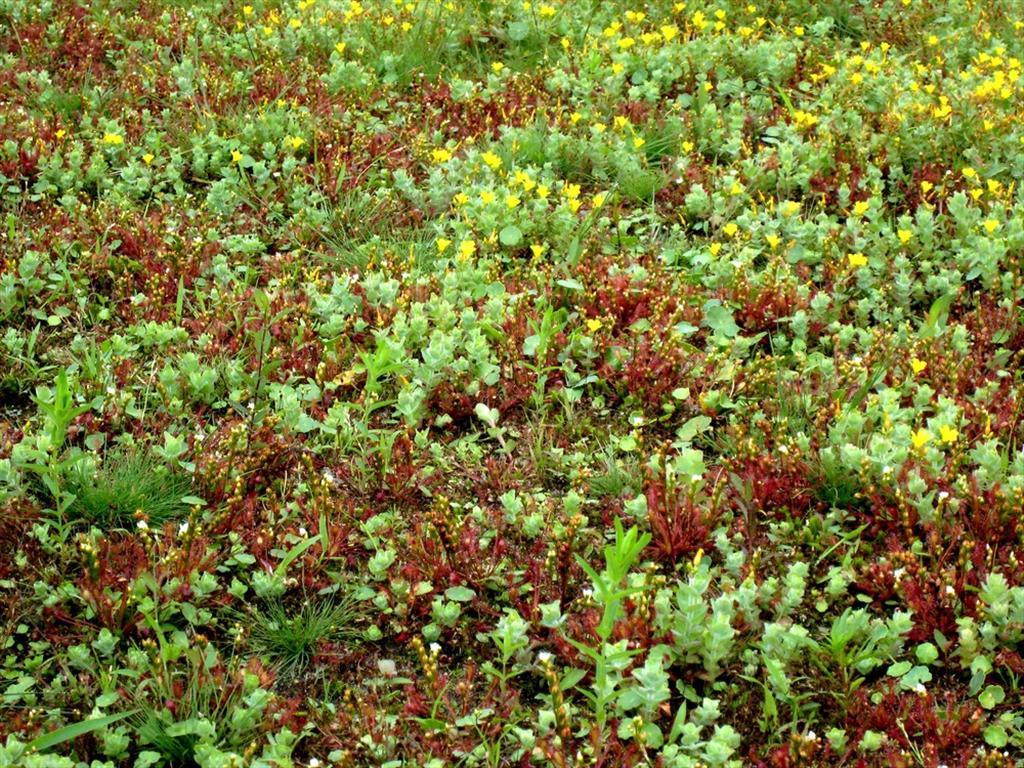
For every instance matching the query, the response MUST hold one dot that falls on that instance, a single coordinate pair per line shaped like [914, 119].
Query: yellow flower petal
[920, 438]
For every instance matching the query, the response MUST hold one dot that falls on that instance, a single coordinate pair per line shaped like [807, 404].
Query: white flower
[544, 657]
[183, 528]
[435, 647]
[142, 525]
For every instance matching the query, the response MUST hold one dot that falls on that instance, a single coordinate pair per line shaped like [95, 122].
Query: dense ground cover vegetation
[472, 383]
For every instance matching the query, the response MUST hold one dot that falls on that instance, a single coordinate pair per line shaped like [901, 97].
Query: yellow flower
[294, 142]
[687, 147]
[442, 244]
[804, 119]
[790, 208]
[525, 180]
[798, 31]
[861, 207]
[467, 248]
[731, 229]
[669, 31]
[546, 11]
[486, 197]
[626, 43]
[920, 438]
[598, 127]
[497, 66]
[492, 160]
[537, 249]
[857, 260]
[715, 248]
[148, 158]
[969, 173]
[773, 241]
[60, 133]
[736, 188]
[441, 155]
[593, 325]
[926, 187]
[917, 365]
[294, 23]
[599, 199]
[991, 225]
[512, 201]
[904, 235]
[114, 139]
[948, 435]
[247, 10]
[236, 156]
[543, 191]
[638, 142]
[572, 191]
[566, 43]
[461, 198]
[340, 47]
[574, 205]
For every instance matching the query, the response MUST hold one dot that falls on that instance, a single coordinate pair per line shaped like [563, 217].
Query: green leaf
[927, 653]
[991, 696]
[518, 30]
[996, 736]
[460, 594]
[73, 731]
[692, 428]
[294, 553]
[719, 319]
[510, 236]
[899, 669]
[570, 678]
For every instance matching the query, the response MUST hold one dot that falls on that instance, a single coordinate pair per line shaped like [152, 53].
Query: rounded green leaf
[511, 236]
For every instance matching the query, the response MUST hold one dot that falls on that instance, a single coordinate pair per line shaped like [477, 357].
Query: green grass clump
[127, 481]
[287, 639]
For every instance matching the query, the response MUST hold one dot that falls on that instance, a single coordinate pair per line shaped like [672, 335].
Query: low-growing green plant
[611, 589]
[287, 639]
[125, 484]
